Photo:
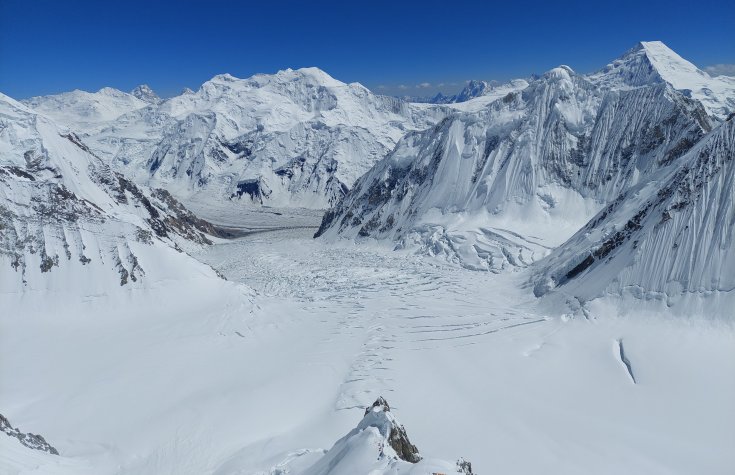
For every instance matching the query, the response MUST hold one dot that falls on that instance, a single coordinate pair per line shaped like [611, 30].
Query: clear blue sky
[53, 46]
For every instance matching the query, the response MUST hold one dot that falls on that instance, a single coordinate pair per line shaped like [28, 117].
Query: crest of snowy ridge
[296, 138]
[69, 222]
[378, 445]
[499, 188]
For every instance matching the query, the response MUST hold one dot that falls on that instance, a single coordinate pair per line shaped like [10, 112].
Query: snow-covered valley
[266, 275]
[194, 376]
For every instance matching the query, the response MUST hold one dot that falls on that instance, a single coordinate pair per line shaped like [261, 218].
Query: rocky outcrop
[32, 441]
[379, 445]
[396, 437]
[464, 467]
[145, 94]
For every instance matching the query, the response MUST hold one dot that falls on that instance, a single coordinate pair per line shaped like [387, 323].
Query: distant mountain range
[574, 174]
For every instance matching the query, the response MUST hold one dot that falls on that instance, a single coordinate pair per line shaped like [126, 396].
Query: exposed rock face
[464, 467]
[380, 402]
[398, 439]
[396, 434]
[32, 441]
[146, 94]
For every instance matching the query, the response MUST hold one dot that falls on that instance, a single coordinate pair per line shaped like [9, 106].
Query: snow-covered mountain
[69, 222]
[670, 237]
[146, 94]
[86, 110]
[296, 138]
[501, 186]
[473, 89]
[123, 350]
[653, 61]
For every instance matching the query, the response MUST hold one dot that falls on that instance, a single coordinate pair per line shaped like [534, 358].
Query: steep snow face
[652, 61]
[295, 138]
[498, 188]
[70, 223]
[670, 237]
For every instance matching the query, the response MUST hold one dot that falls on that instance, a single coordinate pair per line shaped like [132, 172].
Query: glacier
[536, 274]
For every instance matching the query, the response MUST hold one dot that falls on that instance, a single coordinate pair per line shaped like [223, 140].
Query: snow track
[198, 376]
[392, 302]
[500, 379]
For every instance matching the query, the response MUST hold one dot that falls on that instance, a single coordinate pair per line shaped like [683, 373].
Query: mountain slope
[668, 237]
[295, 138]
[70, 223]
[500, 187]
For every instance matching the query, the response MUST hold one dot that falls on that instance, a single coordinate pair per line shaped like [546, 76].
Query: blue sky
[53, 46]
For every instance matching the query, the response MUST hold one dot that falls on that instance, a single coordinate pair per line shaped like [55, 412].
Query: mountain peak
[146, 94]
[668, 64]
[111, 92]
[562, 72]
[319, 75]
[650, 62]
[474, 88]
[225, 77]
